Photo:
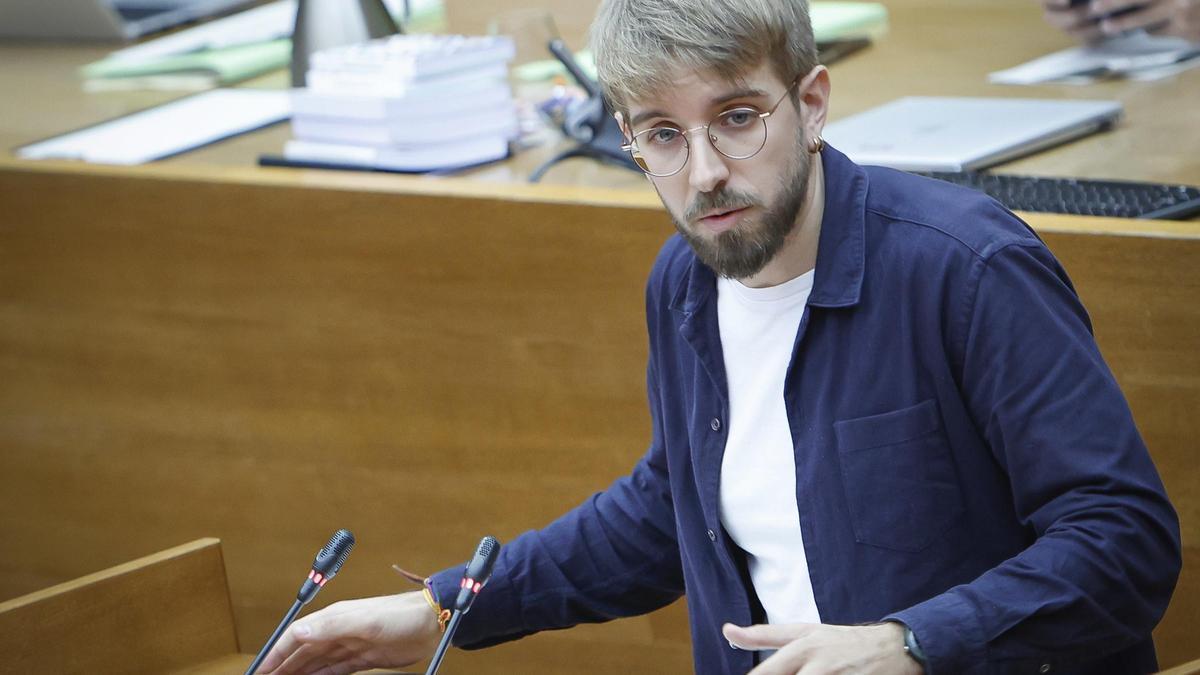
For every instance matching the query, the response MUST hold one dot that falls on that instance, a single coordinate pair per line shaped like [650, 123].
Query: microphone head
[478, 571]
[333, 555]
[480, 567]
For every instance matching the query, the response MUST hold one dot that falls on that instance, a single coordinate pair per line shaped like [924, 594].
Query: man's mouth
[720, 220]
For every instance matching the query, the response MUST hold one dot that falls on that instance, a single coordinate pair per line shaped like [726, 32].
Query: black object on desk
[280, 160]
[590, 123]
[1111, 198]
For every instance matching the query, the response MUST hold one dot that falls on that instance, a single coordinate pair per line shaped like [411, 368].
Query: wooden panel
[267, 365]
[152, 615]
[1190, 668]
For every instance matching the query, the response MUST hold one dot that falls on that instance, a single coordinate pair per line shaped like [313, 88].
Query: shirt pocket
[899, 477]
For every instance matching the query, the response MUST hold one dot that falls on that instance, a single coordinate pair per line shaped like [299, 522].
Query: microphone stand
[287, 621]
[476, 575]
[445, 643]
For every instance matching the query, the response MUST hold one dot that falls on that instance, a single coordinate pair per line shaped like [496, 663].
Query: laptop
[112, 20]
[921, 133]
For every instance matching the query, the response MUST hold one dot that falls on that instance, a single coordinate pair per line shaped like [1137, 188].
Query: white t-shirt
[758, 472]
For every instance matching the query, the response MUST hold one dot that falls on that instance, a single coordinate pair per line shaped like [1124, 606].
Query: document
[168, 129]
[260, 24]
[1136, 56]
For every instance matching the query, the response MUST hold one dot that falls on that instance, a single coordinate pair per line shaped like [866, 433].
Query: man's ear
[814, 100]
[622, 126]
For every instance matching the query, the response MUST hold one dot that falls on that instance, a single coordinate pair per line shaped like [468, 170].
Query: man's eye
[663, 135]
[738, 118]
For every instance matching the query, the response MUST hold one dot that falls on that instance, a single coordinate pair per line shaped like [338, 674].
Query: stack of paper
[406, 103]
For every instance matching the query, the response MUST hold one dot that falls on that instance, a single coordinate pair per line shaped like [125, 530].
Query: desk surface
[933, 47]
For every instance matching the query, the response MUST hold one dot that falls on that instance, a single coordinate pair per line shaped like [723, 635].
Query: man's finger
[327, 624]
[787, 661]
[348, 667]
[1152, 16]
[1069, 19]
[1103, 7]
[763, 636]
[296, 661]
[286, 646]
[1087, 34]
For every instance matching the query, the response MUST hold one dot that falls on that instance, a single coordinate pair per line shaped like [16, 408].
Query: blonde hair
[640, 45]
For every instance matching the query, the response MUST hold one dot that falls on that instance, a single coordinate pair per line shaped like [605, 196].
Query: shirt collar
[841, 251]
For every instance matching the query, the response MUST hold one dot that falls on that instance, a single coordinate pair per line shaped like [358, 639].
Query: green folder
[222, 66]
[833, 21]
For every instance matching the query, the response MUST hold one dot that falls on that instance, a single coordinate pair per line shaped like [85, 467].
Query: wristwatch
[913, 648]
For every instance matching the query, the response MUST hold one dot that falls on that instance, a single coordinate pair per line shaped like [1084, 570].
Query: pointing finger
[763, 636]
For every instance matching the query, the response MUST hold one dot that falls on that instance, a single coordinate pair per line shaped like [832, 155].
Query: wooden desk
[202, 347]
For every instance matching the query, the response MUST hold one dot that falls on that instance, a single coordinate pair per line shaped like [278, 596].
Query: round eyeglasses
[737, 133]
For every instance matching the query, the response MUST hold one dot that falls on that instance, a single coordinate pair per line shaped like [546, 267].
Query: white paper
[261, 24]
[271, 21]
[168, 129]
[1119, 56]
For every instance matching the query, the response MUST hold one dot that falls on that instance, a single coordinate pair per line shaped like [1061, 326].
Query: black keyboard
[1112, 198]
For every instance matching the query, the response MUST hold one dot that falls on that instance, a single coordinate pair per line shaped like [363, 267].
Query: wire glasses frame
[740, 133]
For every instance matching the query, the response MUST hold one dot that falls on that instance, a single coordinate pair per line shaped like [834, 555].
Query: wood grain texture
[153, 615]
[268, 364]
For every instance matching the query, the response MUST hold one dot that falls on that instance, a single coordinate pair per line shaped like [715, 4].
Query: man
[884, 439]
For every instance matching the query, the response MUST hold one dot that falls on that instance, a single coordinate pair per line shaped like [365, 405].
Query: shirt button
[1044, 669]
[715, 424]
[712, 536]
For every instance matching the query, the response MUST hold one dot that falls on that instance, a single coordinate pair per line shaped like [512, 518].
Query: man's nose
[707, 169]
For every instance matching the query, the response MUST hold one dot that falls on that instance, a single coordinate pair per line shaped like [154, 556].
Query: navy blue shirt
[965, 461]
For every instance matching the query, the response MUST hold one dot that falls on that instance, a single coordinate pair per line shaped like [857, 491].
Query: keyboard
[1111, 198]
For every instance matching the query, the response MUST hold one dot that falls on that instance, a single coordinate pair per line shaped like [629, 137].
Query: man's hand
[346, 637]
[1078, 21]
[1177, 18]
[817, 649]
[1097, 19]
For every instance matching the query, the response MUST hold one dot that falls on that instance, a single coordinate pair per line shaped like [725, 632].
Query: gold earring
[816, 145]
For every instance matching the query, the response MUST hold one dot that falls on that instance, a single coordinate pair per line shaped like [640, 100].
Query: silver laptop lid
[958, 134]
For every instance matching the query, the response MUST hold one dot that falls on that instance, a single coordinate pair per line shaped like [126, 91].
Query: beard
[747, 248]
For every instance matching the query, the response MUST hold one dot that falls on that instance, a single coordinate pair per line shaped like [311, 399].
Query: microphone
[479, 570]
[328, 562]
[475, 577]
[325, 566]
